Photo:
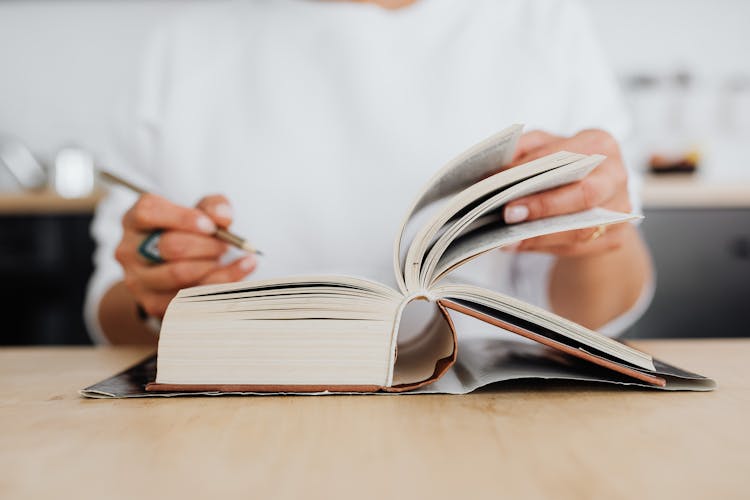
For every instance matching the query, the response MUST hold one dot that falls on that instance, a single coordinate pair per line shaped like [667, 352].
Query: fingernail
[205, 225]
[516, 213]
[247, 263]
[223, 210]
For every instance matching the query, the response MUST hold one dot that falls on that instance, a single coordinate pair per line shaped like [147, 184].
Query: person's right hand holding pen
[166, 247]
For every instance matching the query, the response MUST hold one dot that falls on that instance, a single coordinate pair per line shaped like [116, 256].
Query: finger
[569, 238]
[605, 243]
[180, 245]
[531, 141]
[155, 212]
[217, 207]
[170, 276]
[592, 141]
[233, 272]
[172, 246]
[594, 190]
[155, 304]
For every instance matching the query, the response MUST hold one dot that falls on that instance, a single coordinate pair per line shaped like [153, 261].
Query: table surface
[517, 440]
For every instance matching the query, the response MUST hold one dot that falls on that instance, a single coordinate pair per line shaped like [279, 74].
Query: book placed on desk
[342, 334]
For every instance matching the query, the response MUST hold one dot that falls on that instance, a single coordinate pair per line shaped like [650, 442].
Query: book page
[424, 337]
[319, 331]
[470, 167]
[495, 234]
[503, 306]
[565, 174]
[488, 359]
[469, 198]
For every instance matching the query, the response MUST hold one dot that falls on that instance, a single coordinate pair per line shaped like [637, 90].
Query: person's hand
[191, 256]
[605, 186]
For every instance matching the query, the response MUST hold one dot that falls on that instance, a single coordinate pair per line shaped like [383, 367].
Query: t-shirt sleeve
[136, 134]
[592, 100]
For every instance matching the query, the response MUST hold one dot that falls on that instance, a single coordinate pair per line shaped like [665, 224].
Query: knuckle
[143, 209]
[122, 253]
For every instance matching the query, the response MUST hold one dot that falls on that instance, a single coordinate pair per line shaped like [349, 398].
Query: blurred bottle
[72, 174]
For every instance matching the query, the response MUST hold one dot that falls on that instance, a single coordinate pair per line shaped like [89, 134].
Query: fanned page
[470, 167]
[491, 233]
[546, 173]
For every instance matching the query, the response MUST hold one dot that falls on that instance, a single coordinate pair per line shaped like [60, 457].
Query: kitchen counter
[46, 202]
[693, 191]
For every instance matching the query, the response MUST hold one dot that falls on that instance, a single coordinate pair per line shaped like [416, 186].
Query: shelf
[46, 202]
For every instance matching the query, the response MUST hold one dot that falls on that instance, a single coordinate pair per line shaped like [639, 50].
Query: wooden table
[521, 440]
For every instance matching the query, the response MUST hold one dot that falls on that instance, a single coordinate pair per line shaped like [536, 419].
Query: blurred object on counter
[25, 171]
[72, 174]
[676, 149]
[686, 164]
[671, 122]
[685, 123]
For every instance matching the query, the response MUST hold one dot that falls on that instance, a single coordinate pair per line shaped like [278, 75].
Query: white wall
[711, 37]
[63, 63]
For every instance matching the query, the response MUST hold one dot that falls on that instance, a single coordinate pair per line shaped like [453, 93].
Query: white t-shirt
[321, 120]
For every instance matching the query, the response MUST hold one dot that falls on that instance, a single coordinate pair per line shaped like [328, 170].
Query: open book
[339, 333]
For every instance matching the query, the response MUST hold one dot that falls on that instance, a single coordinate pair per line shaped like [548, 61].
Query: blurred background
[684, 70]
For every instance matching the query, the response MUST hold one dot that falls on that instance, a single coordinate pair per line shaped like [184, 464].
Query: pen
[221, 234]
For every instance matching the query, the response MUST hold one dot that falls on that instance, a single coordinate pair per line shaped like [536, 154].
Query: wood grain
[519, 440]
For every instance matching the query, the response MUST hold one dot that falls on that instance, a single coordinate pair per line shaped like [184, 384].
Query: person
[317, 122]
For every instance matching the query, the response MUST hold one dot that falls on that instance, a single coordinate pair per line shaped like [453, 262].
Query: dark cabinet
[45, 264]
[702, 259]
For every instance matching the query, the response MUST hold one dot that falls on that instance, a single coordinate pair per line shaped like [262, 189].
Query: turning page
[475, 164]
